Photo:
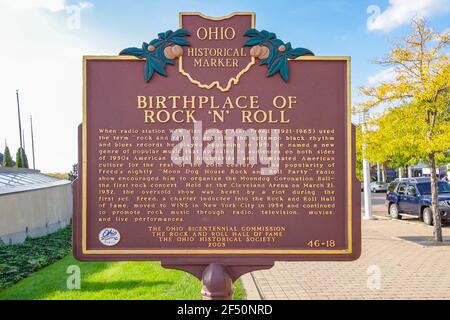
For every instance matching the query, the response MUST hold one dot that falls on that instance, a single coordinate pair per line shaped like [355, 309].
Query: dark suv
[412, 197]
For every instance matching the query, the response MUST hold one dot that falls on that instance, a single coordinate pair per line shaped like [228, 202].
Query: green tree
[73, 174]
[25, 160]
[420, 91]
[7, 160]
[21, 162]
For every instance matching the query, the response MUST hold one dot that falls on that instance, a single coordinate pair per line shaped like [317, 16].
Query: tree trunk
[434, 200]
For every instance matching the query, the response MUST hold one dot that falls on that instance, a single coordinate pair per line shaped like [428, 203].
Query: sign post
[216, 149]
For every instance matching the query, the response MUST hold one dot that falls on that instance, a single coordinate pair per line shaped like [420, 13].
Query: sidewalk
[389, 268]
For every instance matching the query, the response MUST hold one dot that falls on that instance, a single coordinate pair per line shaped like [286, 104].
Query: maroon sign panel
[216, 160]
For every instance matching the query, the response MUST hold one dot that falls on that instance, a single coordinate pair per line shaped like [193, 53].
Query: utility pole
[32, 141]
[366, 172]
[20, 125]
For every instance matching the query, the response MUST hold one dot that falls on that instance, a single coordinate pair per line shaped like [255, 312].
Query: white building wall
[34, 213]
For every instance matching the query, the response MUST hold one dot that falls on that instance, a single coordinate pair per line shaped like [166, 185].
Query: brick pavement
[405, 270]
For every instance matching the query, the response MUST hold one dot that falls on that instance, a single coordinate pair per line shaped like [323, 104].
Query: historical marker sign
[193, 152]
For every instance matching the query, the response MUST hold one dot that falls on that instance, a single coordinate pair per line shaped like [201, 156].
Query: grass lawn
[109, 280]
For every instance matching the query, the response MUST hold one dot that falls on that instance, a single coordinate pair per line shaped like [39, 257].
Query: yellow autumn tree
[418, 96]
[382, 141]
[359, 153]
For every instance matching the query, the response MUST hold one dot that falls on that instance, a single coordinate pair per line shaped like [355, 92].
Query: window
[391, 187]
[401, 189]
[411, 191]
[425, 188]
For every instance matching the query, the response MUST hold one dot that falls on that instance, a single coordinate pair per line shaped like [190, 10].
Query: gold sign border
[231, 81]
[347, 251]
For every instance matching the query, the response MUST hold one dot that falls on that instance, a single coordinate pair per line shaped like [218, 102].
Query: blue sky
[45, 41]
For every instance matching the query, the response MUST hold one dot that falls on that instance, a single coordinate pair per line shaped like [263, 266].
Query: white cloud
[385, 75]
[51, 5]
[400, 12]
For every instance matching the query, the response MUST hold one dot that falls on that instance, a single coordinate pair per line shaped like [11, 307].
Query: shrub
[19, 261]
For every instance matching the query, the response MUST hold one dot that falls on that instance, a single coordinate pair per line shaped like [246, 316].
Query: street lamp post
[378, 172]
[366, 173]
[32, 141]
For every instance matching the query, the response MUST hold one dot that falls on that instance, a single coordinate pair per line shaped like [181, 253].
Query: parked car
[412, 197]
[378, 186]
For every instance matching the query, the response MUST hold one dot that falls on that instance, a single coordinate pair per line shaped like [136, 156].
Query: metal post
[366, 175]
[216, 283]
[367, 192]
[378, 172]
[32, 141]
[20, 125]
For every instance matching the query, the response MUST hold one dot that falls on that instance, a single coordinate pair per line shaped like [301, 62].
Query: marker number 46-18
[319, 243]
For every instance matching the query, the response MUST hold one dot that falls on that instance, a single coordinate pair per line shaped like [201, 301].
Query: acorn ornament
[169, 53]
[264, 54]
[260, 52]
[172, 52]
[273, 52]
[177, 50]
[255, 51]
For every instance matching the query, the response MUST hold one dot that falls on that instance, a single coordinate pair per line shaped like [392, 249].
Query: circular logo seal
[109, 237]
